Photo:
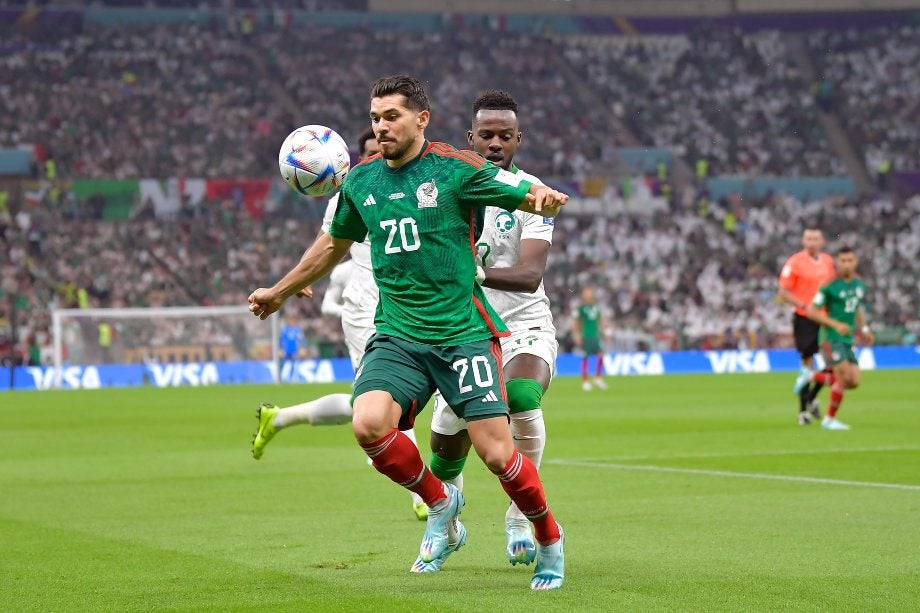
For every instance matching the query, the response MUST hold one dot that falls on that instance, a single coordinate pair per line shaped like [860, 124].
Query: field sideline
[676, 493]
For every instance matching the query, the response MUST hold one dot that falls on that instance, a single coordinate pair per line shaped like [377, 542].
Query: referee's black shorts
[806, 335]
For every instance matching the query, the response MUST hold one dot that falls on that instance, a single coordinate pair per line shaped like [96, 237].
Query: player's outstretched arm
[544, 201]
[316, 263]
[526, 275]
[817, 316]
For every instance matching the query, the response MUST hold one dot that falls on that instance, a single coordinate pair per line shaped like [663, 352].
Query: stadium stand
[697, 271]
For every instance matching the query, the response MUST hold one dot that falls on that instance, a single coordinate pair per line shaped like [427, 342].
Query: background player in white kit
[512, 250]
[353, 295]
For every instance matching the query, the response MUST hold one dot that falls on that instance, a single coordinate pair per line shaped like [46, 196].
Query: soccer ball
[314, 160]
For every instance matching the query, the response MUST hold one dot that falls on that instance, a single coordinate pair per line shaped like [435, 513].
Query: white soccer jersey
[333, 302]
[360, 295]
[500, 246]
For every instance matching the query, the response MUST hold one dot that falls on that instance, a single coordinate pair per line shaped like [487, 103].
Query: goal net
[165, 346]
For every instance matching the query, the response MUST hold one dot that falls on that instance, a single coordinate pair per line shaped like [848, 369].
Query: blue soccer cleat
[801, 381]
[456, 541]
[435, 541]
[550, 571]
[521, 547]
[832, 423]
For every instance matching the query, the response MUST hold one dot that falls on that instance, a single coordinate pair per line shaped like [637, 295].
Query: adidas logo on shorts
[490, 397]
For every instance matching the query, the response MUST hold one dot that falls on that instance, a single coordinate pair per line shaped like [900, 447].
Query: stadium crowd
[873, 77]
[211, 100]
[734, 100]
[702, 274]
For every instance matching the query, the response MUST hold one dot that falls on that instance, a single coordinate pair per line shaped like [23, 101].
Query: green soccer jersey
[589, 315]
[420, 221]
[842, 300]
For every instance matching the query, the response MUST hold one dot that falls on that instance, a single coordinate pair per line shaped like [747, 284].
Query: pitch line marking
[726, 473]
[772, 452]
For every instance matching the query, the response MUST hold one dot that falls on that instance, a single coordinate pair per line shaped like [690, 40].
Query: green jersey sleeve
[489, 185]
[821, 297]
[347, 223]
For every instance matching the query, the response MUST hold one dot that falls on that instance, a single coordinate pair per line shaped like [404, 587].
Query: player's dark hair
[365, 136]
[495, 100]
[845, 249]
[410, 87]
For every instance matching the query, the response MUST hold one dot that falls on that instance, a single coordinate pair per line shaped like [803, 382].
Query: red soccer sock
[395, 456]
[824, 377]
[584, 368]
[600, 365]
[522, 484]
[836, 399]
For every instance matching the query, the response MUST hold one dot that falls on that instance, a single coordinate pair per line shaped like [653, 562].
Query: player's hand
[867, 338]
[546, 201]
[841, 328]
[306, 292]
[263, 302]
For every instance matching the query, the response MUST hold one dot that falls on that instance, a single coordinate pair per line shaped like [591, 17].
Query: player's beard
[396, 151]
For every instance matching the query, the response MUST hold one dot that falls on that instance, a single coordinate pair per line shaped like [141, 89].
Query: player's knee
[368, 432]
[852, 383]
[450, 446]
[524, 395]
[496, 454]
[370, 423]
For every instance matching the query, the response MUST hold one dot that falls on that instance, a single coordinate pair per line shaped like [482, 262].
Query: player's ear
[469, 137]
[422, 119]
[520, 135]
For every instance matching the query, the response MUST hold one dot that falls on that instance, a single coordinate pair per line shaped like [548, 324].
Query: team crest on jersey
[504, 223]
[427, 195]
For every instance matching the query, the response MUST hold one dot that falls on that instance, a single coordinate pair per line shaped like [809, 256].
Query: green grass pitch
[676, 493]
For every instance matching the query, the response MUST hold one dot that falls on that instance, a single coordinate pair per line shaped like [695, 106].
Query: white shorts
[356, 339]
[541, 343]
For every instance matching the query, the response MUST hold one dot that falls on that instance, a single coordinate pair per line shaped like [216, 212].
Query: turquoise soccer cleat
[801, 381]
[456, 541]
[550, 571]
[266, 416]
[521, 547]
[832, 423]
[436, 538]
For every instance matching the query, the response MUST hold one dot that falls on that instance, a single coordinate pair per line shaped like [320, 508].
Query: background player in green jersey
[435, 330]
[842, 299]
[586, 328]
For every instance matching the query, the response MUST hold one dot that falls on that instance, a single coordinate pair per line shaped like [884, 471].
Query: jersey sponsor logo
[504, 223]
[397, 196]
[427, 195]
[369, 201]
[508, 178]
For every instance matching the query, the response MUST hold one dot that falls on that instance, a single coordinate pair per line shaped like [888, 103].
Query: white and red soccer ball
[314, 160]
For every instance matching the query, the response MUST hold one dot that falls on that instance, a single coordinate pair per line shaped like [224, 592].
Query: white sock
[529, 433]
[326, 411]
[457, 482]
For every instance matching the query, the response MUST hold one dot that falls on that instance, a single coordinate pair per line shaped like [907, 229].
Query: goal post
[155, 336]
